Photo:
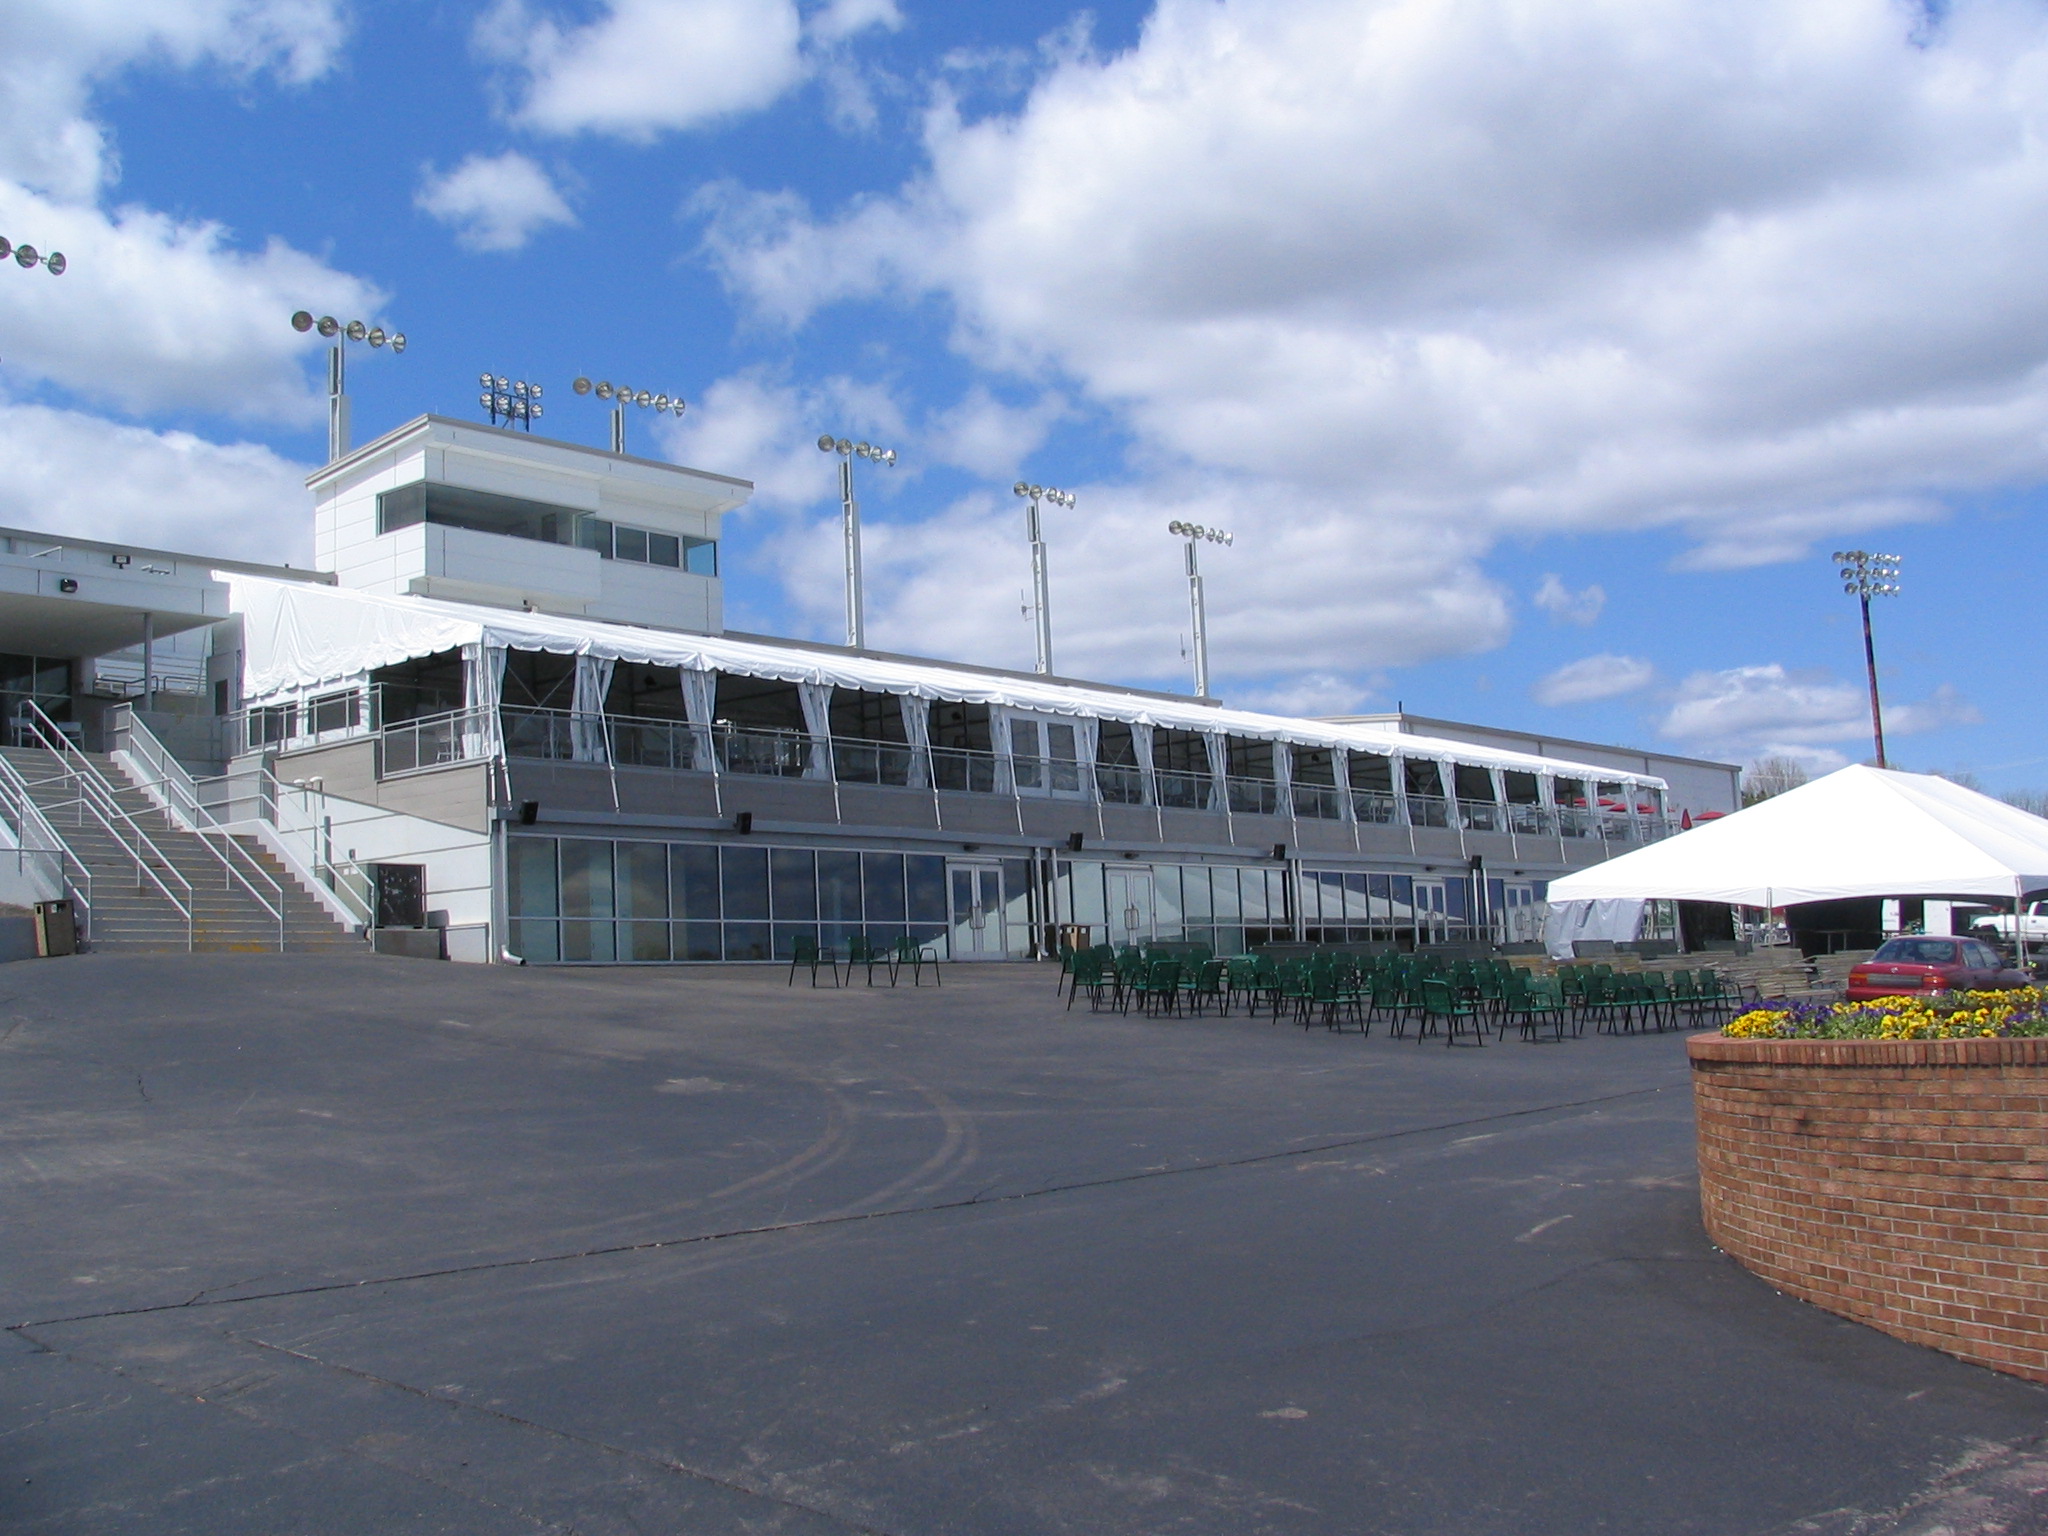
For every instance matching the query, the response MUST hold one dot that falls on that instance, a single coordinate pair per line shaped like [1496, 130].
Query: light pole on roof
[513, 399]
[1865, 576]
[1041, 592]
[1196, 533]
[621, 397]
[848, 451]
[337, 391]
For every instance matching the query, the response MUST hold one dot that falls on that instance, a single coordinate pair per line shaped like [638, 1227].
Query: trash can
[56, 928]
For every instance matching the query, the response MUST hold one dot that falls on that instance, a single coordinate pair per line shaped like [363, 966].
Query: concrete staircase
[125, 919]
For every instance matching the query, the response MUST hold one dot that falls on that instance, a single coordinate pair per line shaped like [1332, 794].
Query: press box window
[643, 546]
[455, 506]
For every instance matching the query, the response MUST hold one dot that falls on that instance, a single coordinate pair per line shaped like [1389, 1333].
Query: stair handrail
[330, 873]
[174, 783]
[180, 795]
[96, 796]
[19, 805]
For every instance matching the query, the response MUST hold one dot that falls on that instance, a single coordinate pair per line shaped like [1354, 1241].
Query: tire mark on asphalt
[1076, 1186]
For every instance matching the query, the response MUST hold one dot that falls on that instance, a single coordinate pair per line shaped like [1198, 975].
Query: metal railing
[1428, 811]
[1182, 791]
[433, 741]
[1319, 802]
[1120, 783]
[962, 769]
[1375, 807]
[1482, 816]
[93, 797]
[872, 762]
[35, 838]
[174, 786]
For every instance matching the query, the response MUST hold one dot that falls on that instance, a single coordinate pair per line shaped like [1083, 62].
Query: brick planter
[1902, 1183]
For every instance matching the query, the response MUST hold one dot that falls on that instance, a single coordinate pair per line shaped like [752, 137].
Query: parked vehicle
[2002, 926]
[1921, 965]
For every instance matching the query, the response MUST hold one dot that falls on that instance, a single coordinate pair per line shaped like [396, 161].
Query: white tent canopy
[1858, 832]
[297, 637]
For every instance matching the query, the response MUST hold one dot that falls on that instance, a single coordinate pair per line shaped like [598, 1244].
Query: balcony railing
[1377, 807]
[871, 762]
[1428, 811]
[433, 742]
[1182, 791]
[1481, 816]
[964, 770]
[1120, 783]
[1254, 797]
[1319, 802]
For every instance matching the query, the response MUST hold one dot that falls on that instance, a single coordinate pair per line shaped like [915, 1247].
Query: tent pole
[2019, 919]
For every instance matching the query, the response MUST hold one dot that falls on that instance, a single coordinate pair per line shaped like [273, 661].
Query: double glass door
[1128, 897]
[1432, 913]
[977, 912]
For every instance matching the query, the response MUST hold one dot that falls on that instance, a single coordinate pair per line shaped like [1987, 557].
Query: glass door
[1130, 907]
[1432, 913]
[977, 917]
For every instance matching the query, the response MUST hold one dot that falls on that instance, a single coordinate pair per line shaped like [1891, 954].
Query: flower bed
[1933, 1016]
[1888, 1161]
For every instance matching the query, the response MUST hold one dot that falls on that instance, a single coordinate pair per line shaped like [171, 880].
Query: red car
[1904, 966]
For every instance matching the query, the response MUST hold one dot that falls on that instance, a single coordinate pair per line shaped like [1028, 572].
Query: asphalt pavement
[376, 1245]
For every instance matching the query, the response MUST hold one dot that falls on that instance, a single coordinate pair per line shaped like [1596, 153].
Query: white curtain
[700, 703]
[486, 666]
[1087, 735]
[917, 730]
[999, 742]
[587, 741]
[1283, 776]
[1219, 767]
[1397, 774]
[1340, 770]
[1567, 922]
[1141, 748]
[817, 702]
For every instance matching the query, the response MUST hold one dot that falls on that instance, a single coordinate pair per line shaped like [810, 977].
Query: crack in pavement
[767, 1229]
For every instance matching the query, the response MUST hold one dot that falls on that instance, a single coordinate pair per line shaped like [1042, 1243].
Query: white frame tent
[1859, 831]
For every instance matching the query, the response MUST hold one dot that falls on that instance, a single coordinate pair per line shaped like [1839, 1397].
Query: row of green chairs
[806, 953]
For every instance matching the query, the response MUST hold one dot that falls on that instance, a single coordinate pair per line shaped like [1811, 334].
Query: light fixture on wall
[509, 399]
[1033, 494]
[28, 256]
[340, 335]
[1196, 533]
[621, 397]
[848, 451]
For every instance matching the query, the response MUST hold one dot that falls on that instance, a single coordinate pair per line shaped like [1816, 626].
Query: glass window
[693, 885]
[586, 879]
[881, 876]
[794, 873]
[629, 544]
[1087, 893]
[700, 557]
[643, 880]
[587, 941]
[746, 884]
[925, 886]
[537, 940]
[1194, 884]
[457, 506]
[1357, 903]
[273, 722]
[595, 533]
[1025, 754]
[1252, 885]
[697, 941]
[1059, 746]
[838, 886]
[746, 941]
[530, 878]
[644, 941]
[664, 549]
[1223, 887]
[1166, 901]
[335, 712]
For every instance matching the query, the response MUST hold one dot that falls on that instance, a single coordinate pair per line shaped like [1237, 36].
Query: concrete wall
[1902, 1183]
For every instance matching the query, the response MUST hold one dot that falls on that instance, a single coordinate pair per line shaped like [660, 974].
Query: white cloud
[984, 435]
[1565, 606]
[493, 203]
[645, 67]
[767, 432]
[156, 314]
[1762, 274]
[1761, 711]
[1595, 677]
[64, 472]
[53, 52]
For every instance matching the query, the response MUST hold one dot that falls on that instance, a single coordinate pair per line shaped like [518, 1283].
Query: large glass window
[456, 506]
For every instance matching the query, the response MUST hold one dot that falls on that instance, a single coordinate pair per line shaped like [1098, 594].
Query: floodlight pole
[337, 403]
[1041, 588]
[848, 451]
[1870, 665]
[338, 337]
[619, 428]
[621, 397]
[1194, 533]
[1864, 576]
[850, 509]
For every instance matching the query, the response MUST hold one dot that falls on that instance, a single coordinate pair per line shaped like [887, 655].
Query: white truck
[2003, 928]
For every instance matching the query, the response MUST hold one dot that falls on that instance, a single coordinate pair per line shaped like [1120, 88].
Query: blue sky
[1537, 358]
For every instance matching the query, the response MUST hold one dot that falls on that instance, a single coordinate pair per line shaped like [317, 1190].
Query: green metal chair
[861, 950]
[1441, 1006]
[917, 956]
[807, 951]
